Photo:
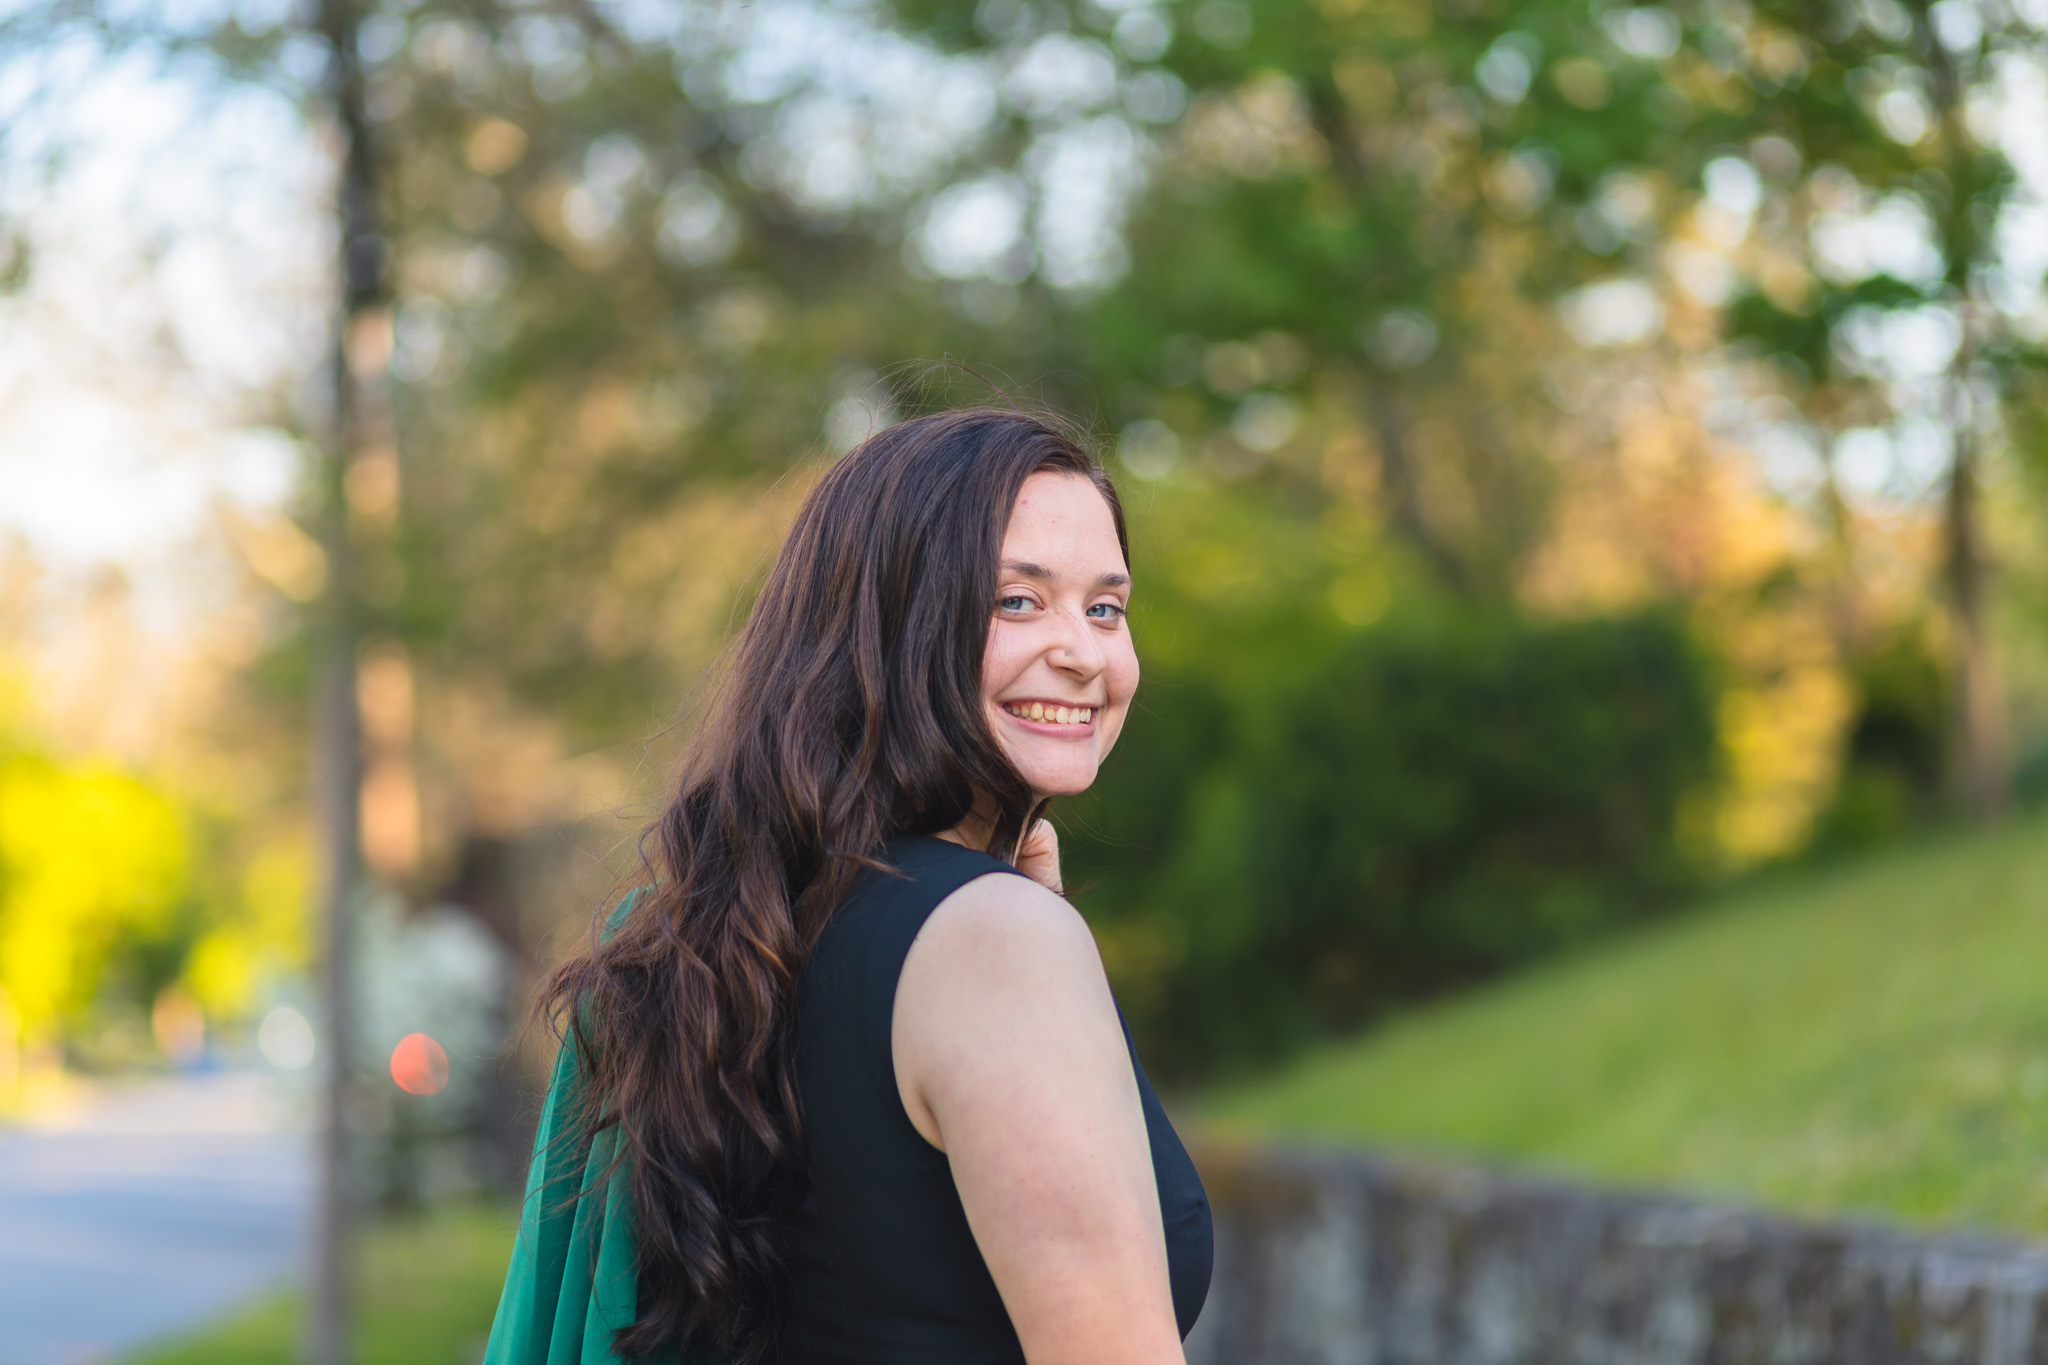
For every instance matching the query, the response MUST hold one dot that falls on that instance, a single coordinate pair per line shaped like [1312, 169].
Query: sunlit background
[1588, 467]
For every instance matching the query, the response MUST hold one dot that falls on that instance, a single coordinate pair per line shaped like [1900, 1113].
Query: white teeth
[1057, 715]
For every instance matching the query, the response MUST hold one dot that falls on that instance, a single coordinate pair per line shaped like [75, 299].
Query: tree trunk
[1980, 701]
[1403, 488]
[338, 720]
[1979, 693]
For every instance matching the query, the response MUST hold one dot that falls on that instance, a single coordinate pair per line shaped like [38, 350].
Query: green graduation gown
[572, 1282]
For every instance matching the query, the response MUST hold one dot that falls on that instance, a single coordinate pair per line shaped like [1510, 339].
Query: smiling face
[1059, 671]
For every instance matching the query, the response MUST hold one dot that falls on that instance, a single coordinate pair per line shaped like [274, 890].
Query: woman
[845, 1082]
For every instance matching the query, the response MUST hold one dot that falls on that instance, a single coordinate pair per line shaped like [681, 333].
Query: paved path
[144, 1211]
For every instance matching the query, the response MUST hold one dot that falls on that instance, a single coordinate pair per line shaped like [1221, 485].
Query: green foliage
[90, 860]
[635, 280]
[116, 887]
[1896, 760]
[428, 1289]
[1869, 1039]
[1288, 851]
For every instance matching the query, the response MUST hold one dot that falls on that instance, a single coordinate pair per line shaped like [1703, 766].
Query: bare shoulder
[1004, 920]
[1002, 1002]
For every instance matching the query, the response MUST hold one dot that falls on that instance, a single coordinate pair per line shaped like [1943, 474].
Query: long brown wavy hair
[849, 710]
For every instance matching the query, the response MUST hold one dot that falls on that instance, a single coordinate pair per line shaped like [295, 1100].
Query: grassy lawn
[428, 1288]
[1868, 1039]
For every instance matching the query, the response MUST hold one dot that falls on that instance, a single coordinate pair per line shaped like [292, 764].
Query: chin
[1058, 782]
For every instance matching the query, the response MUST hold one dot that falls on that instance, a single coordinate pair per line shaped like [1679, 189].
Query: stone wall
[1346, 1259]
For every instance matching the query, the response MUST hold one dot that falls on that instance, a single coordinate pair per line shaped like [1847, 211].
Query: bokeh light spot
[419, 1065]
[285, 1039]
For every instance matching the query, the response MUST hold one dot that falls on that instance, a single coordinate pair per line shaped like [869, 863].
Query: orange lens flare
[419, 1065]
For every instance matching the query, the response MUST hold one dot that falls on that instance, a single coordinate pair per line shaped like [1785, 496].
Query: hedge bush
[1397, 813]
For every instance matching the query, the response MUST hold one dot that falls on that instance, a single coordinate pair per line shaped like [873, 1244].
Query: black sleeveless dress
[884, 1268]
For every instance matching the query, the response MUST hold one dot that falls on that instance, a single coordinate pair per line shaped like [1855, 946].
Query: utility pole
[359, 352]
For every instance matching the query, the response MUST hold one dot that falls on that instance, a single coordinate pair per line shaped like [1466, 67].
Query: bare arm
[1010, 1059]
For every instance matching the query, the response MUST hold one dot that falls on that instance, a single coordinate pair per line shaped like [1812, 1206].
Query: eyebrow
[1030, 570]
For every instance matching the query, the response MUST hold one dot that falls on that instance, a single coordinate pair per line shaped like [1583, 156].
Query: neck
[974, 832]
[978, 830]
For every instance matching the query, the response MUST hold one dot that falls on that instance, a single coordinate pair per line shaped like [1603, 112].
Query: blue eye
[1014, 603]
[1110, 611]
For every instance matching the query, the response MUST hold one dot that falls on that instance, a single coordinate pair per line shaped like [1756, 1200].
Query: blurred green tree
[1878, 164]
[89, 858]
[1367, 200]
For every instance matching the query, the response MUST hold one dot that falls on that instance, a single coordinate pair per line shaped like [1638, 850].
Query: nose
[1076, 651]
